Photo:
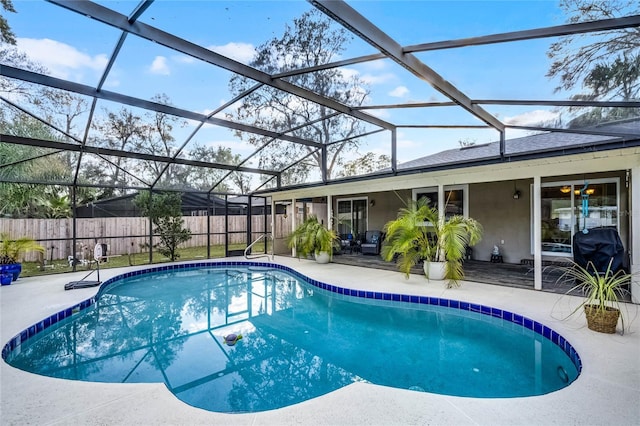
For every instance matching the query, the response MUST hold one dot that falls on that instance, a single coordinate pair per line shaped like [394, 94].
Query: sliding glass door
[571, 207]
[352, 216]
[557, 220]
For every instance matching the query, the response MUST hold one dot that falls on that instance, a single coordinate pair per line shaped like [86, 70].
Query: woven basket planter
[602, 322]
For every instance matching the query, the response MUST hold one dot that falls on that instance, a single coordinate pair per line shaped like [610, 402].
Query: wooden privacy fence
[126, 235]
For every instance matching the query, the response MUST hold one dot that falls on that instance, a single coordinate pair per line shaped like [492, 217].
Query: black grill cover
[599, 246]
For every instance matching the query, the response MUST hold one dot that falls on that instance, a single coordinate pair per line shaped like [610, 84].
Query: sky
[77, 48]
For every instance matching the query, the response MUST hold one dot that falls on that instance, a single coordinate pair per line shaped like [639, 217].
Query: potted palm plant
[312, 237]
[420, 234]
[603, 292]
[11, 252]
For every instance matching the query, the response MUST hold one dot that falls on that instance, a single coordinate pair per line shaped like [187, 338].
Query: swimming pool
[300, 340]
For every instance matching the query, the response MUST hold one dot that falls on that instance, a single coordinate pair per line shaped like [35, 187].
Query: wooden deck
[507, 274]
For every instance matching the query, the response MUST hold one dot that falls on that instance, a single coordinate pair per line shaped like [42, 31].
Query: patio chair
[347, 243]
[371, 243]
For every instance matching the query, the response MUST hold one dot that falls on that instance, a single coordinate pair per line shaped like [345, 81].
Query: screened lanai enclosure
[255, 114]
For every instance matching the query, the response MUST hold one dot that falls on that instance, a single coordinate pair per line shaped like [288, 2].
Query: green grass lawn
[30, 269]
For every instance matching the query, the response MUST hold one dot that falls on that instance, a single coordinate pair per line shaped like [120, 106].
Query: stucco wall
[386, 207]
[506, 221]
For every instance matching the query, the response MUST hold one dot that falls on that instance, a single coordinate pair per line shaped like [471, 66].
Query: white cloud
[380, 113]
[367, 78]
[241, 52]
[374, 65]
[531, 118]
[159, 66]
[399, 92]
[349, 72]
[184, 59]
[62, 60]
[378, 79]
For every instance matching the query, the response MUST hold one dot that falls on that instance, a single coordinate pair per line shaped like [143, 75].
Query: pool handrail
[250, 257]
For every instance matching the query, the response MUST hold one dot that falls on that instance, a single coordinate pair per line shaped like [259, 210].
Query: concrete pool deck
[606, 392]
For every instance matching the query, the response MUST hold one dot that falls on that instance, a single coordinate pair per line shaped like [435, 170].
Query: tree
[573, 59]
[242, 182]
[6, 35]
[57, 206]
[310, 42]
[205, 178]
[150, 133]
[17, 90]
[368, 163]
[120, 130]
[58, 108]
[61, 108]
[31, 165]
[608, 66]
[620, 79]
[16, 58]
[157, 139]
[165, 211]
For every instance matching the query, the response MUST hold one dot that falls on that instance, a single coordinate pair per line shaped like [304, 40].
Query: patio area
[506, 274]
[606, 392]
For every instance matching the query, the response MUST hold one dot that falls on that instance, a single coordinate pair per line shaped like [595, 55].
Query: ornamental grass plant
[603, 293]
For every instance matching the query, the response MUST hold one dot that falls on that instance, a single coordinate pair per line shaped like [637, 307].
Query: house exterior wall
[506, 221]
[386, 207]
[492, 204]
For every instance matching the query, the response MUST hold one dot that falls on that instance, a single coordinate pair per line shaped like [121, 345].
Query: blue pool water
[300, 340]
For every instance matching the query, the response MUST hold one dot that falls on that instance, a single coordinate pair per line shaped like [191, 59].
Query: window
[564, 205]
[455, 198]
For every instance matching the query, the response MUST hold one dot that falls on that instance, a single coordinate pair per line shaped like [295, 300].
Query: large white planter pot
[434, 270]
[322, 257]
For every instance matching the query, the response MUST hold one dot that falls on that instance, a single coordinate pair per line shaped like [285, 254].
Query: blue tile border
[527, 323]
